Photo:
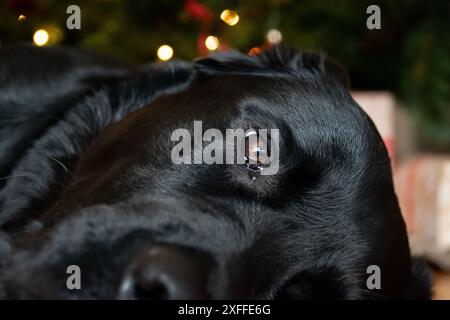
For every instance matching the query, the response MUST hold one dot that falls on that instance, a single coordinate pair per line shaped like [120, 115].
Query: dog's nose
[163, 273]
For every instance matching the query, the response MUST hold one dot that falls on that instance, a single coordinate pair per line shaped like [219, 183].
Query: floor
[441, 286]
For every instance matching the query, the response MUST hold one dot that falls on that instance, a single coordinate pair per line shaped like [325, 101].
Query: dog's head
[121, 190]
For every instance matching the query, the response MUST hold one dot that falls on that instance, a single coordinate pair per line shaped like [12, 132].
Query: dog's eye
[256, 150]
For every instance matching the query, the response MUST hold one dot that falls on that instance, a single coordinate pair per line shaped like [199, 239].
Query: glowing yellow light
[165, 52]
[230, 17]
[55, 33]
[274, 36]
[40, 37]
[21, 18]
[212, 43]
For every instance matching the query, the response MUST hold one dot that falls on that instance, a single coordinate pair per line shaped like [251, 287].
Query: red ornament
[205, 16]
[199, 12]
[201, 47]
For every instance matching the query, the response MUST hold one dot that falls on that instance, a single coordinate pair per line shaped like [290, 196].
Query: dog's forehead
[280, 95]
[316, 104]
[307, 105]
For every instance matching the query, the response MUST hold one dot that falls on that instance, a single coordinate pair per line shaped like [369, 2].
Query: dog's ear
[326, 65]
[337, 71]
[279, 60]
[37, 85]
[419, 288]
[53, 103]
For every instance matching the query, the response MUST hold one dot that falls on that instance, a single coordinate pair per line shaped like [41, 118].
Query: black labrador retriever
[88, 182]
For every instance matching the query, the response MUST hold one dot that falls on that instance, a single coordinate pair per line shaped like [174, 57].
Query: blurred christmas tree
[409, 55]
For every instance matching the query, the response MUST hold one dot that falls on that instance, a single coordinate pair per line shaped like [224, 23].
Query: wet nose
[162, 273]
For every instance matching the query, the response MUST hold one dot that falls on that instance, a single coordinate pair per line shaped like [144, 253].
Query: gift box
[422, 184]
[423, 189]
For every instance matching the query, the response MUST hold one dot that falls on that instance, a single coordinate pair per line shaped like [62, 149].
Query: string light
[230, 17]
[55, 33]
[274, 36]
[254, 51]
[212, 43]
[165, 52]
[40, 37]
[21, 18]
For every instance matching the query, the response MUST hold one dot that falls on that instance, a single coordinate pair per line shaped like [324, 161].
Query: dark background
[409, 56]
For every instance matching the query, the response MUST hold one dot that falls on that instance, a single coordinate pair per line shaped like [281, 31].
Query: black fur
[86, 178]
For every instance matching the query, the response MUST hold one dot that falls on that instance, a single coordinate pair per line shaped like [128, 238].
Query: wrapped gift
[423, 189]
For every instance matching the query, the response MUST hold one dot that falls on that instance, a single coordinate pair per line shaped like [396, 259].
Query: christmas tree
[409, 55]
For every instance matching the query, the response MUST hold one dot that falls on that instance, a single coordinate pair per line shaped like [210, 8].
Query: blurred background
[400, 73]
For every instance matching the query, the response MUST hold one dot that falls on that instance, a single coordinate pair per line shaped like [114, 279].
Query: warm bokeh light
[21, 18]
[165, 52]
[254, 51]
[212, 43]
[55, 33]
[230, 17]
[274, 36]
[40, 37]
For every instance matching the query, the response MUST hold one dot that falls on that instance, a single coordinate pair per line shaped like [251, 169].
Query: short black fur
[86, 179]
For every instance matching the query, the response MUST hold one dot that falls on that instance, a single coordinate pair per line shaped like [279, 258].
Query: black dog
[86, 179]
